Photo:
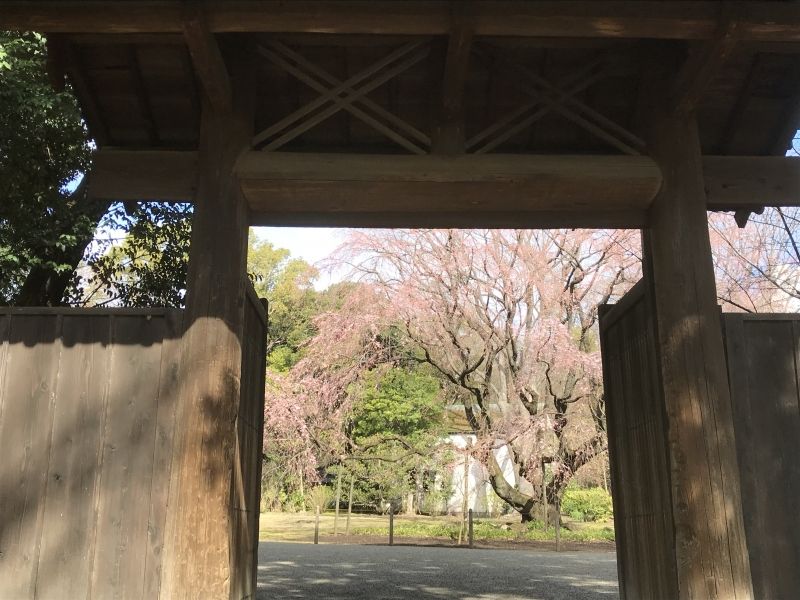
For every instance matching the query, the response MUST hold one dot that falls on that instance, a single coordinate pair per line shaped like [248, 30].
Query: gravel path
[334, 571]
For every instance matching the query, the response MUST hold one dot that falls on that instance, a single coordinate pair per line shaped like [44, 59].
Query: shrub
[320, 496]
[591, 504]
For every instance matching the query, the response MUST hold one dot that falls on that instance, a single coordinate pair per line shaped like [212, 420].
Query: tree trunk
[44, 286]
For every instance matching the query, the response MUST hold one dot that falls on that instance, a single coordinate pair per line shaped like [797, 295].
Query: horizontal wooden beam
[751, 182]
[143, 175]
[769, 21]
[448, 191]
[437, 191]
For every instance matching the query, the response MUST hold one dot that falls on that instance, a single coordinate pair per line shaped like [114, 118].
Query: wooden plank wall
[763, 355]
[763, 367]
[246, 480]
[86, 425]
[637, 437]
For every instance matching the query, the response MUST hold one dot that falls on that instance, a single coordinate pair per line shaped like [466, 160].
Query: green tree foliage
[398, 402]
[288, 284]
[142, 261]
[44, 146]
[396, 426]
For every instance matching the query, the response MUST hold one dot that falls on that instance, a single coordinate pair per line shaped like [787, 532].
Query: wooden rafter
[702, 66]
[767, 21]
[565, 103]
[348, 95]
[209, 65]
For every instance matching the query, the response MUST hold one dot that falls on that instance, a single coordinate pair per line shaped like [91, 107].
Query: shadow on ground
[333, 572]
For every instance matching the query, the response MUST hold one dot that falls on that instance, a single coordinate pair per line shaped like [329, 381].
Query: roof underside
[139, 90]
[142, 93]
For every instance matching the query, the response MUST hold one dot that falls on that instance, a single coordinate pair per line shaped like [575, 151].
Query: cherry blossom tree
[506, 317]
[757, 266]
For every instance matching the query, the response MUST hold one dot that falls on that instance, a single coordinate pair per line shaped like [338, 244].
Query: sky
[312, 244]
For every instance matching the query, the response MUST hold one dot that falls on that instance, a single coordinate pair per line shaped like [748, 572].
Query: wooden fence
[763, 354]
[637, 440]
[763, 366]
[87, 419]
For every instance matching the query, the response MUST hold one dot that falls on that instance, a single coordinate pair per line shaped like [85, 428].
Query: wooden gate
[637, 445]
[763, 357]
[87, 423]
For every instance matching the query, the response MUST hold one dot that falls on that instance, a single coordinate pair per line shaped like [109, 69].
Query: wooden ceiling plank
[87, 98]
[209, 65]
[330, 80]
[572, 82]
[339, 104]
[335, 92]
[790, 119]
[142, 96]
[512, 130]
[735, 117]
[369, 79]
[569, 106]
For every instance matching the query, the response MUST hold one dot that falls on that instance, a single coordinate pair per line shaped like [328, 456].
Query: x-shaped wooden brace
[348, 95]
[559, 97]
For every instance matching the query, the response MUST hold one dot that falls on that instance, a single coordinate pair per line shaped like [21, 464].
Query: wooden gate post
[710, 548]
[199, 561]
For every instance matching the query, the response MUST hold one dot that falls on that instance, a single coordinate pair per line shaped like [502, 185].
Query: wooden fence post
[391, 525]
[469, 530]
[558, 524]
[338, 499]
[316, 524]
[349, 507]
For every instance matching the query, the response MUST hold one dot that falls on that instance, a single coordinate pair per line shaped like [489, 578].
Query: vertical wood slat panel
[246, 483]
[127, 462]
[638, 450]
[25, 430]
[162, 453]
[69, 522]
[65, 471]
[763, 372]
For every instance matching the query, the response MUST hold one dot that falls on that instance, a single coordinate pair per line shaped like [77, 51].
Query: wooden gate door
[637, 443]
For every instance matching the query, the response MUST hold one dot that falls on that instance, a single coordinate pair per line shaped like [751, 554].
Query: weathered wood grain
[69, 526]
[162, 452]
[199, 561]
[127, 461]
[762, 367]
[764, 20]
[25, 434]
[710, 548]
[638, 449]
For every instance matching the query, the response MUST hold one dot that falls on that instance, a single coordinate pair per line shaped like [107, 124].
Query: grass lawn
[299, 527]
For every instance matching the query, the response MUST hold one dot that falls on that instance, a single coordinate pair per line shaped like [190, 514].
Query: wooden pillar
[198, 559]
[710, 548]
